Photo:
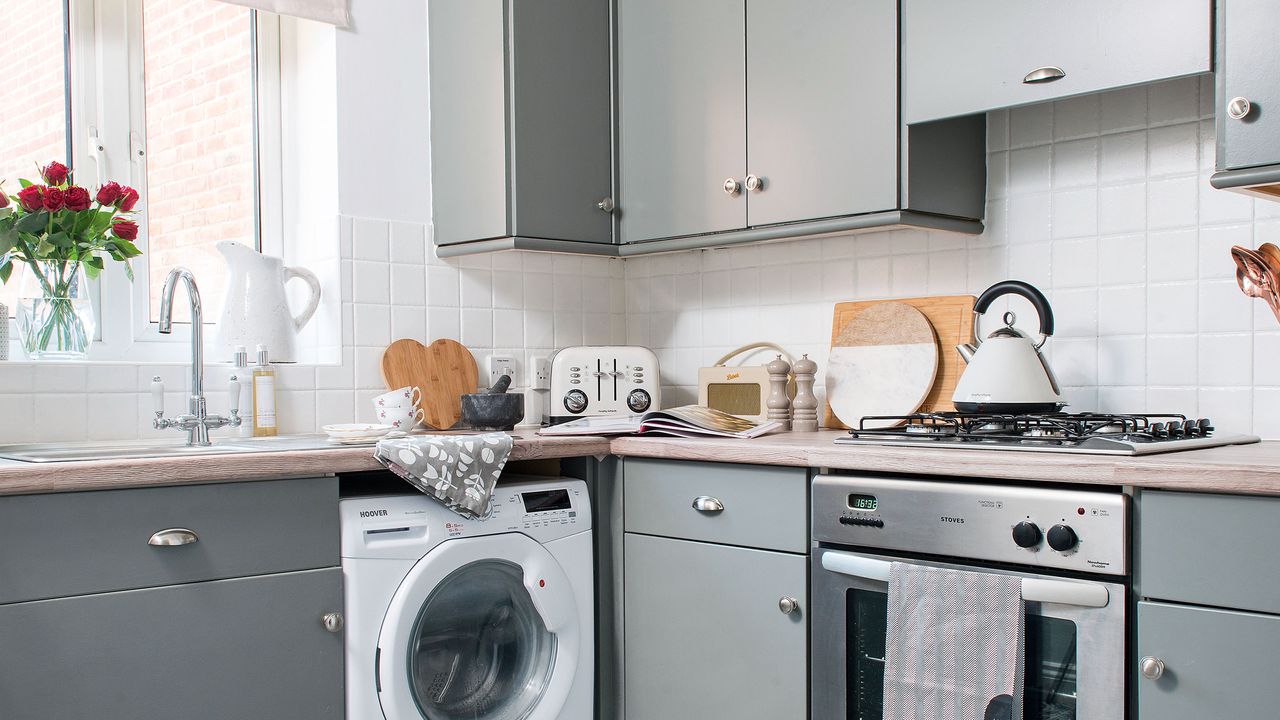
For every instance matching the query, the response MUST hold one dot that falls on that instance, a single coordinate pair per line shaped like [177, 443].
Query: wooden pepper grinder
[804, 409]
[778, 403]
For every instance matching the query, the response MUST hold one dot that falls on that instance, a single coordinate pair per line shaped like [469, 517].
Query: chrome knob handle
[1151, 667]
[788, 605]
[732, 187]
[332, 622]
[1046, 74]
[1239, 108]
[755, 183]
[707, 504]
[606, 205]
[172, 537]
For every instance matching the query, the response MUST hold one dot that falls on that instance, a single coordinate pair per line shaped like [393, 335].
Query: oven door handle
[1063, 592]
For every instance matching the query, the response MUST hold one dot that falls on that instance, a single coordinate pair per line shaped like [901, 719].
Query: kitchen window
[188, 101]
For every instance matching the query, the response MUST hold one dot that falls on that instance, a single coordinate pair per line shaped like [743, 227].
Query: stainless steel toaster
[603, 380]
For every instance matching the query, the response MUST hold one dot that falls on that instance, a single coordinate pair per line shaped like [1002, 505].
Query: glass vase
[55, 316]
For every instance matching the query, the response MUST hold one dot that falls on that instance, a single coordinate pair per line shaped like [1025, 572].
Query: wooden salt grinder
[804, 409]
[778, 403]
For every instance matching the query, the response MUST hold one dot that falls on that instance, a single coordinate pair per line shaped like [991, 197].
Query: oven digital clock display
[866, 503]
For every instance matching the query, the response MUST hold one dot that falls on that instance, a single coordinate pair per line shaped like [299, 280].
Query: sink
[73, 452]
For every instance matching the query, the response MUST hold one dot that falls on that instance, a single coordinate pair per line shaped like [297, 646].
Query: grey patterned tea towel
[458, 470]
[954, 647]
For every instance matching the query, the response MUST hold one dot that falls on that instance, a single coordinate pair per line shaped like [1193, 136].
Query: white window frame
[108, 143]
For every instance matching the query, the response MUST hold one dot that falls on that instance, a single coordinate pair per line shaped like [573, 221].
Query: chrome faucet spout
[198, 421]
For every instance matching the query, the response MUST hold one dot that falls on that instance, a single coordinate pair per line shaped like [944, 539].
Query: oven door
[1074, 640]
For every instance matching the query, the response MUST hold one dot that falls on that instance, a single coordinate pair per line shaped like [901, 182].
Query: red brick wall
[32, 90]
[199, 190]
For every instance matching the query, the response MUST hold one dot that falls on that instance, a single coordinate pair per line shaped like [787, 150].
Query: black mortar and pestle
[493, 409]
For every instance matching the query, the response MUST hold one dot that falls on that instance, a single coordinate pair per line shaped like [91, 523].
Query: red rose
[124, 229]
[4, 199]
[32, 198]
[55, 173]
[77, 198]
[109, 193]
[128, 198]
[54, 199]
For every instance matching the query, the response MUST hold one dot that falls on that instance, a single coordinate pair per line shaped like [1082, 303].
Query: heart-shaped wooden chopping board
[443, 371]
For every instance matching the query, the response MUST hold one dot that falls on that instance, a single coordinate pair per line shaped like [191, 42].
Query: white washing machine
[455, 619]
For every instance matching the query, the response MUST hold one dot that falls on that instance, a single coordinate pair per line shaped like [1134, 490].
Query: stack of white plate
[356, 433]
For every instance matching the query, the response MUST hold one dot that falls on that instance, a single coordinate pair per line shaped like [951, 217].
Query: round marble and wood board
[883, 362]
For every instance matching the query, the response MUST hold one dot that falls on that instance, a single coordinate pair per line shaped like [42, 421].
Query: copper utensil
[1256, 274]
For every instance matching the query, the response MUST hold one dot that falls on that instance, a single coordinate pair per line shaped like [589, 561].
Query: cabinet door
[1249, 63]
[1217, 663]
[682, 95]
[822, 108]
[244, 648]
[561, 119]
[704, 637]
[960, 58]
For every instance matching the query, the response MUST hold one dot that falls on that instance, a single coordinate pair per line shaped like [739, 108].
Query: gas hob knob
[1062, 538]
[1176, 429]
[1026, 534]
[1204, 426]
[638, 400]
[575, 401]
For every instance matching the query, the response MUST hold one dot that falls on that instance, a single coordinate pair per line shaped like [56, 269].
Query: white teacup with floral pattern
[401, 418]
[404, 397]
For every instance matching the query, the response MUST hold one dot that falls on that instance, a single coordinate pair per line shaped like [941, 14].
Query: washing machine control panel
[542, 510]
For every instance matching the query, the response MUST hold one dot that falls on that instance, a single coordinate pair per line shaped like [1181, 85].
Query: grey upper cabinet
[521, 123]
[822, 109]
[1248, 97]
[961, 58]
[682, 108]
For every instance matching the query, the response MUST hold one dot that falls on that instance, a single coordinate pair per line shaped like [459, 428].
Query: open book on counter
[689, 421]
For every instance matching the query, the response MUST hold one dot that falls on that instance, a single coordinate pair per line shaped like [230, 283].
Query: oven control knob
[638, 400]
[1062, 538]
[1026, 534]
[575, 401]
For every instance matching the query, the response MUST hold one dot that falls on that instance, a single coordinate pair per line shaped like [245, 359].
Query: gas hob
[1088, 433]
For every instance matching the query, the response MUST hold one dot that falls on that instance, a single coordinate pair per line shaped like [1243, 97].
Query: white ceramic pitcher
[257, 308]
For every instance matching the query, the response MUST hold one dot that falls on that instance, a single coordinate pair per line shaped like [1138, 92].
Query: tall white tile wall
[1102, 201]
[392, 287]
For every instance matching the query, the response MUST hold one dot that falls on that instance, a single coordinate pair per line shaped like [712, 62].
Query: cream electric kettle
[1007, 373]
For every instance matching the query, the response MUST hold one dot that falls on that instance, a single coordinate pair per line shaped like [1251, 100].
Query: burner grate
[1048, 428]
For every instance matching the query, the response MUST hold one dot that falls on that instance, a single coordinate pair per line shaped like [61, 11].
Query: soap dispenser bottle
[264, 396]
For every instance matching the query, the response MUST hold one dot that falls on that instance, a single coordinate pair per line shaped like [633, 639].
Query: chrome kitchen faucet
[198, 421]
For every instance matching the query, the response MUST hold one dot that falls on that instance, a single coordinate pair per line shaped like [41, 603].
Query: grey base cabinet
[1216, 663]
[704, 637]
[242, 648]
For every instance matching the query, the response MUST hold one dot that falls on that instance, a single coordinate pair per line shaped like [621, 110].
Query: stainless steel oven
[1075, 596]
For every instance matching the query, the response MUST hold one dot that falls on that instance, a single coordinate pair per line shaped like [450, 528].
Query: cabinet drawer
[240, 648]
[1209, 549]
[764, 506]
[67, 544]
[960, 58]
[1217, 663]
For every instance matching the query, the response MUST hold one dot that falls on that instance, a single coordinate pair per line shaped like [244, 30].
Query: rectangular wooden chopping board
[952, 319]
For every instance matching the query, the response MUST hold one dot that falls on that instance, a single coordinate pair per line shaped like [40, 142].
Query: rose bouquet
[61, 234]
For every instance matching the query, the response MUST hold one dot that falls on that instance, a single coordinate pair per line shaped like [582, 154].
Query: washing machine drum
[488, 632]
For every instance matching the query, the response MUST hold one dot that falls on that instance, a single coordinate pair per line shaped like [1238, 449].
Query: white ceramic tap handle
[157, 395]
[235, 395]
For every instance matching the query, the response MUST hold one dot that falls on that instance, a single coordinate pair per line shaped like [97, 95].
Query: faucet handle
[235, 396]
[157, 395]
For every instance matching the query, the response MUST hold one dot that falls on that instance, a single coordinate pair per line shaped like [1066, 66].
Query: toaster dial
[575, 401]
[639, 401]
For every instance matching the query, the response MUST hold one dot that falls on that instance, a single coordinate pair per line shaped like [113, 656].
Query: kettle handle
[313, 283]
[1017, 287]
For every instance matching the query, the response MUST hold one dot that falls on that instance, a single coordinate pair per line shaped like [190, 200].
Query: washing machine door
[482, 628]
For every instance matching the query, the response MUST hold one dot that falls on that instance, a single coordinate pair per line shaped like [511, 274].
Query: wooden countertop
[1243, 469]
[18, 478]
